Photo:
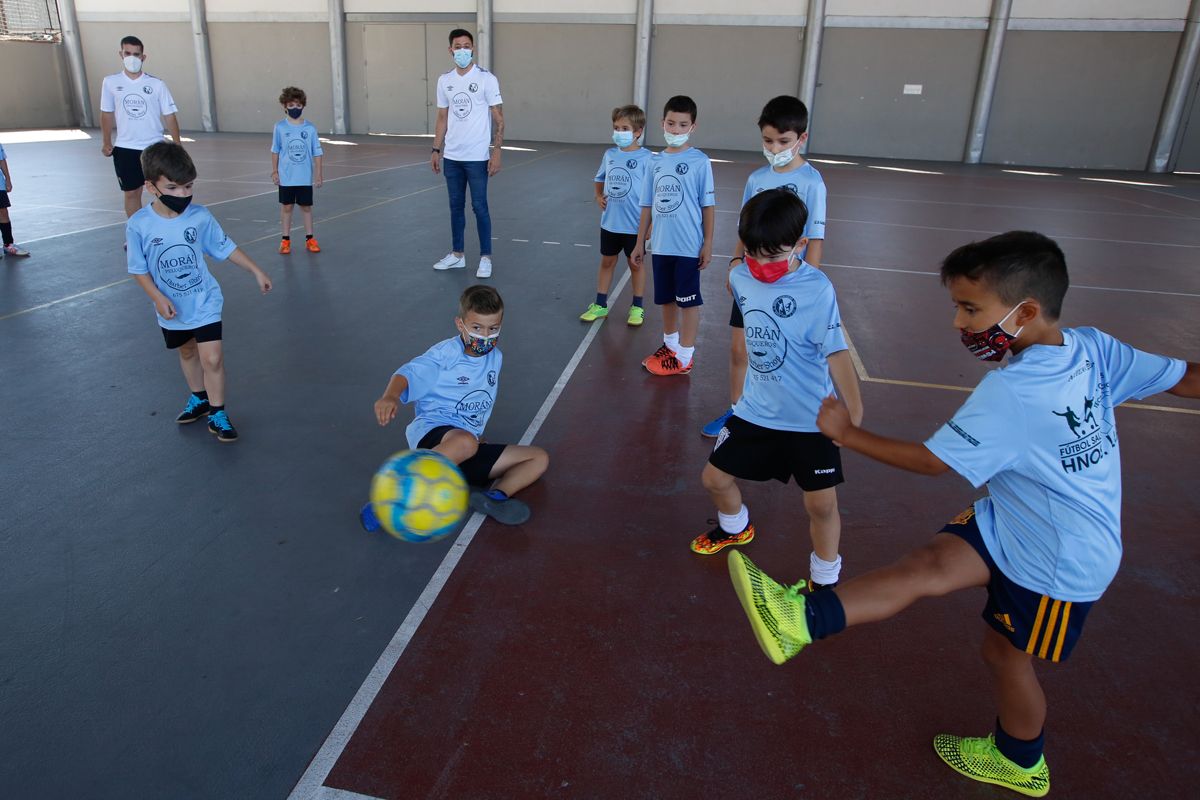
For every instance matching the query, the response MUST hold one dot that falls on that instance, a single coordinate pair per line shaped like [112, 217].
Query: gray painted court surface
[187, 619]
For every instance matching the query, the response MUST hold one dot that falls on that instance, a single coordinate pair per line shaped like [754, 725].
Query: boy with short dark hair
[783, 124]
[618, 193]
[1045, 540]
[454, 386]
[299, 170]
[679, 203]
[166, 242]
[799, 357]
[9, 248]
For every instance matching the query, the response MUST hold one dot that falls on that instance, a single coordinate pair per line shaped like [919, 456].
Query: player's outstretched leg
[516, 468]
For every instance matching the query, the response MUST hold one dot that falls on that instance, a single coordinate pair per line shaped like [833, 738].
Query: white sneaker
[485, 267]
[451, 261]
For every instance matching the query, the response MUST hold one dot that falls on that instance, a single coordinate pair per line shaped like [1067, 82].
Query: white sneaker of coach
[485, 267]
[451, 261]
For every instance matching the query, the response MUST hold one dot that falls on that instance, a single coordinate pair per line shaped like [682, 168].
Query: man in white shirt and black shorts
[470, 120]
[138, 105]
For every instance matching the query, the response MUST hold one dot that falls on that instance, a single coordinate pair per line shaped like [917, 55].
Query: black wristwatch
[437, 149]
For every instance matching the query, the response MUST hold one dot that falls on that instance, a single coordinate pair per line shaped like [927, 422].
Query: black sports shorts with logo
[127, 164]
[754, 453]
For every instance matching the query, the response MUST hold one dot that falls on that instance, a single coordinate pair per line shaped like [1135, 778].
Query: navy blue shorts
[677, 280]
[1036, 623]
[296, 195]
[478, 468]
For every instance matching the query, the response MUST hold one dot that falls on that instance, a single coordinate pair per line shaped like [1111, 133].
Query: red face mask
[993, 343]
[770, 271]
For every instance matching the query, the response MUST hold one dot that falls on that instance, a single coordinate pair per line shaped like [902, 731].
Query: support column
[74, 49]
[204, 74]
[483, 34]
[641, 53]
[985, 87]
[337, 60]
[1162, 156]
[814, 32]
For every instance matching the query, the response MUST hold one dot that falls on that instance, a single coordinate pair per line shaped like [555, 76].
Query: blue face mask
[675, 139]
[480, 345]
[463, 58]
[295, 113]
[622, 138]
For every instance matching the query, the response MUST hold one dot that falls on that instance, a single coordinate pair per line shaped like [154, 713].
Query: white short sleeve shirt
[139, 105]
[469, 99]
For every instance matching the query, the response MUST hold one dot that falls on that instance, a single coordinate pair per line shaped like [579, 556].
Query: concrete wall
[42, 96]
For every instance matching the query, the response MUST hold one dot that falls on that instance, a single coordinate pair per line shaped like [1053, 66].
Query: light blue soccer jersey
[3, 183]
[804, 182]
[792, 327]
[1041, 433]
[171, 252]
[622, 174]
[450, 388]
[297, 146]
[677, 187]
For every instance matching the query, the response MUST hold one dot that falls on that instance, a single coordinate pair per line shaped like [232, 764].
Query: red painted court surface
[590, 654]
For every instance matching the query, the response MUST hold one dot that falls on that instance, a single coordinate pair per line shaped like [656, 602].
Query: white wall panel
[1100, 9]
[150, 7]
[276, 9]
[559, 7]
[908, 8]
[767, 8]
[408, 6]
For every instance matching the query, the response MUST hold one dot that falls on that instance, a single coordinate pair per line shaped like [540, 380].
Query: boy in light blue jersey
[618, 193]
[9, 248]
[166, 242]
[454, 386]
[784, 128]
[296, 160]
[798, 357]
[1045, 540]
[679, 204]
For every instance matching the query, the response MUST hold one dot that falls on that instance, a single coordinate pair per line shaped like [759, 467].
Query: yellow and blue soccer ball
[419, 495]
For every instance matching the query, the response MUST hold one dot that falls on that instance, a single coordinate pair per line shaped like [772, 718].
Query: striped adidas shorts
[1033, 622]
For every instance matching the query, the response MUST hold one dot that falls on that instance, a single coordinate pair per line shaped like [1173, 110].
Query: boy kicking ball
[1045, 541]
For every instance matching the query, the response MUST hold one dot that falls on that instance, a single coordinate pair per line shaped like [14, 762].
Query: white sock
[671, 340]
[734, 523]
[684, 354]
[822, 571]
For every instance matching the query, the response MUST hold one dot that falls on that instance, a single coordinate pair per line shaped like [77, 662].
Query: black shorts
[612, 244]
[677, 280]
[4, 201]
[297, 195]
[754, 453]
[478, 468]
[735, 317]
[128, 165]
[1033, 622]
[205, 333]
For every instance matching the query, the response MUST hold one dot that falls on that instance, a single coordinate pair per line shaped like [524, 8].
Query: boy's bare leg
[306, 213]
[638, 276]
[518, 467]
[670, 317]
[723, 490]
[738, 360]
[133, 201]
[1019, 696]
[824, 522]
[604, 278]
[189, 361]
[689, 326]
[457, 445]
[212, 361]
[285, 218]
[945, 565]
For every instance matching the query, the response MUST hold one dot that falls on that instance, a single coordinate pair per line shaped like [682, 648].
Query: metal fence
[30, 20]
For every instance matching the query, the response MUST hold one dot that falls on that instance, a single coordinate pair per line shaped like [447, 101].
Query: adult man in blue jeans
[470, 120]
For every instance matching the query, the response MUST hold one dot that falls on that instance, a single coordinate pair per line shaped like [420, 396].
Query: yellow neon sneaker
[981, 760]
[594, 312]
[637, 315]
[714, 541]
[776, 612]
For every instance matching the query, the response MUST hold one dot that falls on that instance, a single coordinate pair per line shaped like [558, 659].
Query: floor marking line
[855, 359]
[311, 782]
[329, 793]
[65, 299]
[526, 241]
[551, 242]
[577, 244]
[1177, 217]
[993, 233]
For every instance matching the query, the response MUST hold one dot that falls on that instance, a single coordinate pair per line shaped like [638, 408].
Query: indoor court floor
[189, 620]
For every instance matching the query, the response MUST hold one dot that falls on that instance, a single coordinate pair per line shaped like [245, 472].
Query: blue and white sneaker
[713, 429]
[218, 423]
[366, 517]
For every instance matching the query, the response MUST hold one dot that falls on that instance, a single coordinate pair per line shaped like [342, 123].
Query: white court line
[526, 241]
[1176, 215]
[577, 244]
[1073, 285]
[551, 242]
[993, 233]
[312, 781]
[327, 793]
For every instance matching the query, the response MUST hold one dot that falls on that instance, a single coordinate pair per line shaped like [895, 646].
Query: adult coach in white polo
[470, 120]
[138, 105]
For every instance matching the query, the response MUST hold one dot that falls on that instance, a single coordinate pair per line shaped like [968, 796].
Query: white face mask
[675, 139]
[132, 63]
[780, 159]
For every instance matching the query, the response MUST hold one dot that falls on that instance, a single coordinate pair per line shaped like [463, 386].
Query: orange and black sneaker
[311, 244]
[669, 365]
[716, 540]
[658, 355]
[285, 246]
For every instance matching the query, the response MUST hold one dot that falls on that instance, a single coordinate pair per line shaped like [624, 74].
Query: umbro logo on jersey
[463, 379]
[156, 240]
